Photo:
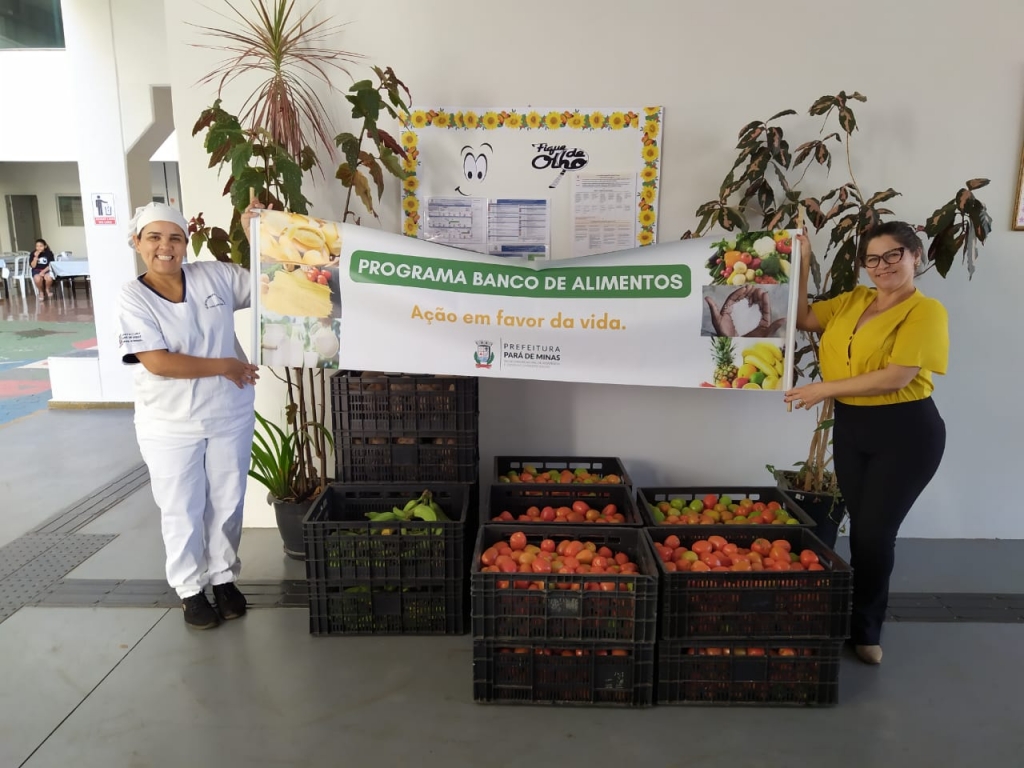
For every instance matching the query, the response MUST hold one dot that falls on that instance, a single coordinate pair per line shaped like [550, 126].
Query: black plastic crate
[407, 458]
[754, 604]
[603, 467]
[573, 675]
[335, 609]
[375, 402]
[648, 496]
[517, 500]
[741, 672]
[343, 546]
[567, 606]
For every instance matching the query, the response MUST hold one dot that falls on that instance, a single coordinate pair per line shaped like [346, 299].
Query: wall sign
[536, 182]
[102, 208]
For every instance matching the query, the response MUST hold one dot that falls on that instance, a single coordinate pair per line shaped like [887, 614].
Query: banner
[689, 313]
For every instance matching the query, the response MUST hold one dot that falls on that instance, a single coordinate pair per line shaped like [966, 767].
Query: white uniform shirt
[202, 326]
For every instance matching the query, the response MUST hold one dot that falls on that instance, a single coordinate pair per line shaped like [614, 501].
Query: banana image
[291, 239]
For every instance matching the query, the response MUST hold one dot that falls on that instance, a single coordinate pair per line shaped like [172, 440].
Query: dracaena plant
[765, 190]
[269, 144]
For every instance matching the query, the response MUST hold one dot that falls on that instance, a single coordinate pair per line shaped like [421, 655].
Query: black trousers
[884, 456]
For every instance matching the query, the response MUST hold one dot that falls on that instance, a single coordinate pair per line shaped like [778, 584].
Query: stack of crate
[748, 637]
[562, 638]
[395, 436]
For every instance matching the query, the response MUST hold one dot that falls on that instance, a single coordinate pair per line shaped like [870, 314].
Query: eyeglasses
[889, 257]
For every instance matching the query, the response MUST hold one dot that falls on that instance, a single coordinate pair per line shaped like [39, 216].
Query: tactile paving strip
[88, 509]
[34, 562]
[143, 593]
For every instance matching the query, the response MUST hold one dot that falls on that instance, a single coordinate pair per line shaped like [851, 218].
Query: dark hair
[40, 240]
[903, 233]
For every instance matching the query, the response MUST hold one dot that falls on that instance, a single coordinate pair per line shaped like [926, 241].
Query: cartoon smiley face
[474, 165]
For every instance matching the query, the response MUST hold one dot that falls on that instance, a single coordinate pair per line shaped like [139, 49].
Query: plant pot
[289, 524]
[827, 511]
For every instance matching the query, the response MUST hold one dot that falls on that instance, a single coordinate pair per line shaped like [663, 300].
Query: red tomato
[808, 558]
[489, 557]
[517, 540]
[548, 545]
[672, 542]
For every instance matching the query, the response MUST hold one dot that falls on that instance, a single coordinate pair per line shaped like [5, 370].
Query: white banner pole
[789, 363]
[254, 303]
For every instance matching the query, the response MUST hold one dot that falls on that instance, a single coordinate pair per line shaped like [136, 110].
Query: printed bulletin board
[533, 182]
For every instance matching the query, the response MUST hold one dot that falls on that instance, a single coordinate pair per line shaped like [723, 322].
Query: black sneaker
[199, 614]
[230, 602]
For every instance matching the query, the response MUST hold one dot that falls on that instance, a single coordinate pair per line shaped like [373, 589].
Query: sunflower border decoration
[647, 120]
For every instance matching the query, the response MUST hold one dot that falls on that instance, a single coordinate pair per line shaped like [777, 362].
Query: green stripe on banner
[653, 281]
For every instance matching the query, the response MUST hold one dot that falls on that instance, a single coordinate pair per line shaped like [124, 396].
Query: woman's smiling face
[162, 247]
[890, 265]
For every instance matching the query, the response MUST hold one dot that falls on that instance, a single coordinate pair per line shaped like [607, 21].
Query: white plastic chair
[22, 273]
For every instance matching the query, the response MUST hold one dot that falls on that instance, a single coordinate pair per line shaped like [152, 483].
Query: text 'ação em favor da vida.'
[602, 322]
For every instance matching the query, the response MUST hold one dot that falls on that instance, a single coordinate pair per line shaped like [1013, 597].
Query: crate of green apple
[607, 505]
[740, 582]
[732, 505]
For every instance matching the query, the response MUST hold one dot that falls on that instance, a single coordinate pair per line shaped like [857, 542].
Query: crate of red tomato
[589, 583]
[730, 582]
[611, 504]
[786, 672]
[560, 470]
[734, 505]
[563, 673]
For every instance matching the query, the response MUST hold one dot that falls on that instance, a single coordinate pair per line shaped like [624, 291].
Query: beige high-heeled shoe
[869, 654]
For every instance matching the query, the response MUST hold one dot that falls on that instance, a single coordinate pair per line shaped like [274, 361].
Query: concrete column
[94, 120]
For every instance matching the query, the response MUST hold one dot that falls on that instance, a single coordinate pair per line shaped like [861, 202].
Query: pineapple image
[725, 363]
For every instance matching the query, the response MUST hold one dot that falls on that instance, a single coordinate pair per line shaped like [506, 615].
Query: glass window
[31, 24]
[69, 211]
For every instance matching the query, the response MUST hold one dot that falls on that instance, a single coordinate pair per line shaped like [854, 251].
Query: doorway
[23, 219]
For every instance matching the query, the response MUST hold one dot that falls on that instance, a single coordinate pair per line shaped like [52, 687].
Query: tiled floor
[30, 331]
[131, 686]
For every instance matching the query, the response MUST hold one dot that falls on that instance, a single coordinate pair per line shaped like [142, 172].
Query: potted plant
[277, 459]
[763, 190]
[269, 149]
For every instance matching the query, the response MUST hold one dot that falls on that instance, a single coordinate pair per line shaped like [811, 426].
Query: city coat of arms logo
[484, 356]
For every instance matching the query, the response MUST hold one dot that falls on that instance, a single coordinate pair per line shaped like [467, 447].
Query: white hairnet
[156, 212]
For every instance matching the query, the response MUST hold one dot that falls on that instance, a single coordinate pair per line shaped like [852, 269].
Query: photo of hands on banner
[688, 313]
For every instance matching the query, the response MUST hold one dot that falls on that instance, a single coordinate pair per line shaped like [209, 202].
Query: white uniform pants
[199, 485]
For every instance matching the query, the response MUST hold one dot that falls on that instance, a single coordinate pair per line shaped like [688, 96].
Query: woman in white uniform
[194, 408]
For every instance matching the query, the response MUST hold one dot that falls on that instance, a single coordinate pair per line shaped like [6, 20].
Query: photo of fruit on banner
[761, 365]
[761, 257]
[299, 258]
[300, 297]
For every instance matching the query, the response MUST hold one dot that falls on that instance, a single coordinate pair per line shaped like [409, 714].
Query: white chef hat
[156, 212]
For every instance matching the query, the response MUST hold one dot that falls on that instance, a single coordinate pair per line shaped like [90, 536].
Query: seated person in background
[40, 261]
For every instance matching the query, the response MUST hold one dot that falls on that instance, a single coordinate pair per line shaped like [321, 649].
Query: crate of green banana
[387, 535]
[364, 610]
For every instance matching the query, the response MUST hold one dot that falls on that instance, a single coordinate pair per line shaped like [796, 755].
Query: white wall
[36, 87]
[942, 108]
[35, 91]
[45, 181]
[141, 55]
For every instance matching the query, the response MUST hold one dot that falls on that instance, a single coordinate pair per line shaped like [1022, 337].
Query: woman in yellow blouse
[878, 350]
